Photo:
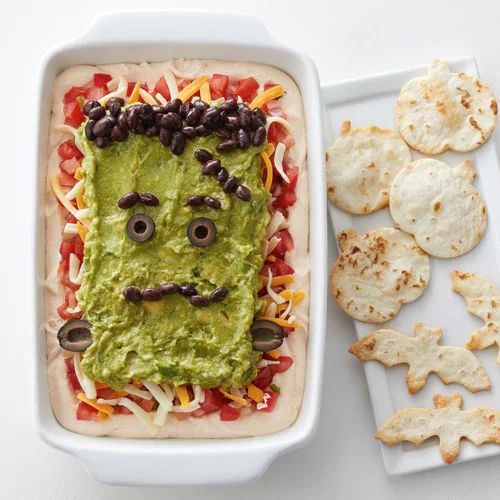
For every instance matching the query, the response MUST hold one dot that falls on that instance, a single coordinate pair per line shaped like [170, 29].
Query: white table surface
[349, 39]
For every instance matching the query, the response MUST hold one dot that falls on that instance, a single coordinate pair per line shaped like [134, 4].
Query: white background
[346, 39]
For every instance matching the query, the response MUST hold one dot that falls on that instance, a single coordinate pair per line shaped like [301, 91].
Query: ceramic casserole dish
[136, 37]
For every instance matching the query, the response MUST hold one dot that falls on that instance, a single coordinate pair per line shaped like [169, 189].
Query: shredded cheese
[270, 149]
[281, 322]
[205, 94]
[276, 297]
[105, 408]
[263, 404]
[269, 170]
[171, 83]
[76, 190]
[271, 310]
[120, 91]
[278, 280]
[276, 223]
[183, 395]
[147, 97]
[192, 88]
[267, 95]
[60, 195]
[275, 353]
[74, 268]
[161, 99]
[233, 397]
[134, 96]
[78, 173]
[278, 161]
[139, 413]
[66, 129]
[278, 119]
[273, 243]
[70, 229]
[80, 204]
[83, 213]
[112, 402]
[255, 393]
[86, 384]
[132, 389]
[287, 310]
[82, 230]
[165, 401]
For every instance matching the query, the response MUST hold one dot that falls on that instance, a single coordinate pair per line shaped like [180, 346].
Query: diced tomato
[73, 114]
[73, 93]
[213, 401]
[247, 88]
[70, 364]
[271, 401]
[94, 92]
[286, 243]
[66, 248]
[68, 150]
[71, 299]
[218, 85]
[67, 180]
[183, 83]
[69, 217]
[228, 413]
[198, 413]
[73, 381]
[161, 87]
[147, 404]
[276, 133]
[69, 166]
[79, 247]
[286, 199]
[86, 412]
[280, 268]
[102, 79]
[285, 362]
[63, 267]
[264, 378]
[119, 409]
[269, 85]
[292, 174]
[68, 283]
[130, 89]
[106, 393]
[288, 141]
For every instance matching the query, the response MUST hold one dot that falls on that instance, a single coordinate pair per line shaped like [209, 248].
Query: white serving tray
[372, 100]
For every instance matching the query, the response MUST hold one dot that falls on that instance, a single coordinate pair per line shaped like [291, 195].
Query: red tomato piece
[285, 362]
[67, 180]
[228, 413]
[70, 364]
[279, 267]
[68, 150]
[94, 93]
[72, 286]
[73, 93]
[102, 79]
[147, 404]
[123, 410]
[161, 87]
[264, 378]
[269, 85]
[288, 141]
[79, 247]
[69, 166]
[86, 412]
[286, 199]
[73, 114]
[183, 83]
[276, 133]
[286, 243]
[218, 85]
[247, 88]
[213, 401]
[66, 248]
[198, 413]
[271, 401]
[293, 175]
[106, 393]
[71, 299]
[73, 381]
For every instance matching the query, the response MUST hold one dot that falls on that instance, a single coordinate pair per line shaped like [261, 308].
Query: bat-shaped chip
[448, 421]
[423, 354]
[483, 301]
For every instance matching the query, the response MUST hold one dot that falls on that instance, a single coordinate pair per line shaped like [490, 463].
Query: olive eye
[201, 232]
[140, 227]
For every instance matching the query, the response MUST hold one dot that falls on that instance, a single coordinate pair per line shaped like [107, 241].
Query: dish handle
[177, 26]
[177, 468]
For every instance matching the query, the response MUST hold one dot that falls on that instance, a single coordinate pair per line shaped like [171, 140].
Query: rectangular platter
[372, 100]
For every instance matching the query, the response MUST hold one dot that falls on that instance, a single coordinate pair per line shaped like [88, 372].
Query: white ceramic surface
[372, 100]
[156, 36]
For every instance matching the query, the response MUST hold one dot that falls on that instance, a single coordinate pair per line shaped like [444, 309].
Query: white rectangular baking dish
[372, 100]
[157, 36]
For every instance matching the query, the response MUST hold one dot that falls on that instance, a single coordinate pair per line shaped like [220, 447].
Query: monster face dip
[177, 259]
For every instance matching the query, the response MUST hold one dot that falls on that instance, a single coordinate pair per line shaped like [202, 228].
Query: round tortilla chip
[361, 165]
[377, 272]
[439, 205]
[445, 110]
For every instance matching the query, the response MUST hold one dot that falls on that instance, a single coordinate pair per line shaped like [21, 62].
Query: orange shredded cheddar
[271, 258]
[101, 385]
[281, 322]
[183, 395]
[255, 393]
[107, 409]
[192, 88]
[228, 395]
[79, 202]
[134, 96]
[82, 230]
[269, 170]
[61, 196]
[101, 416]
[275, 353]
[78, 174]
[205, 94]
[270, 149]
[267, 95]
[278, 280]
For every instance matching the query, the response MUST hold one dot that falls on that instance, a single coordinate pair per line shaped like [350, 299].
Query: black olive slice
[267, 335]
[75, 335]
[201, 232]
[140, 227]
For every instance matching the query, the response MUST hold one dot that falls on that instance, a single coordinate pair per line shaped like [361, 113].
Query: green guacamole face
[170, 340]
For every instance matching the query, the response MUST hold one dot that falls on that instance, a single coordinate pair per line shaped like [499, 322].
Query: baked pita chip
[444, 110]
[439, 205]
[447, 421]
[361, 165]
[377, 272]
[483, 301]
[423, 354]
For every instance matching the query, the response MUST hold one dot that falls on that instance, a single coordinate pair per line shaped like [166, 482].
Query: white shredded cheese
[161, 99]
[273, 243]
[74, 267]
[187, 409]
[59, 194]
[74, 310]
[171, 83]
[70, 229]
[165, 401]
[263, 404]
[278, 161]
[111, 402]
[139, 413]
[82, 214]
[147, 97]
[271, 310]
[276, 223]
[66, 129]
[265, 247]
[291, 320]
[75, 190]
[239, 100]
[132, 389]
[86, 384]
[286, 312]
[266, 362]
[121, 91]
[280, 120]
[277, 298]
